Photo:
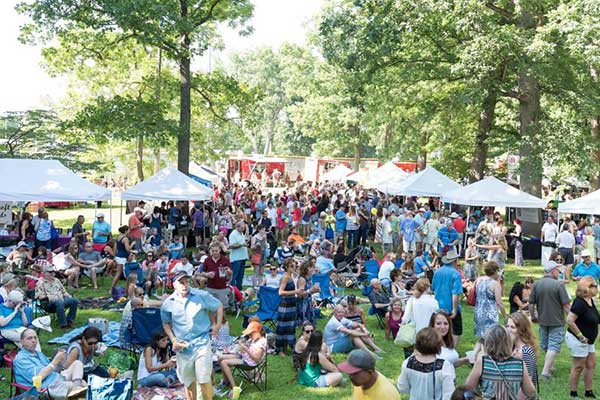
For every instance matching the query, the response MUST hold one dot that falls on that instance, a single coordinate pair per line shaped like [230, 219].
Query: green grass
[280, 372]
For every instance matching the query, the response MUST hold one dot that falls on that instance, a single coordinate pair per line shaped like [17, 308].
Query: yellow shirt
[382, 389]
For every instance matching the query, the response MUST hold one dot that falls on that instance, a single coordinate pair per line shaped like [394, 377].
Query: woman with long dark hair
[287, 314]
[155, 367]
[82, 347]
[121, 255]
[313, 361]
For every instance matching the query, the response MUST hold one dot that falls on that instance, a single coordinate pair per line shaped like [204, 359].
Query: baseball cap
[179, 275]
[586, 253]
[100, 215]
[550, 266]
[21, 244]
[358, 360]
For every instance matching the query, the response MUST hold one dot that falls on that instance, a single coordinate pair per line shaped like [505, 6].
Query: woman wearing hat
[251, 352]
[19, 257]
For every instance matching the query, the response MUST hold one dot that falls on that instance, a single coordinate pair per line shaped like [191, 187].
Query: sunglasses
[92, 343]
[591, 286]
[308, 330]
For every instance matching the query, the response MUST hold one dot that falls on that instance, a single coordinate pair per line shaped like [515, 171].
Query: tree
[181, 29]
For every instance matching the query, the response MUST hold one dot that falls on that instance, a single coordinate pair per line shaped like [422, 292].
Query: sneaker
[589, 394]
[546, 377]
[574, 394]
[221, 390]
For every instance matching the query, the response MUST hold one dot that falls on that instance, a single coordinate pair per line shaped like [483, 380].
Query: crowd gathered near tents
[312, 270]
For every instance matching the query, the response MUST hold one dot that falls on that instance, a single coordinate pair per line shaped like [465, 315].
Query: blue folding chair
[371, 269]
[146, 322]
[372, 311]
[268, 299]
[325, 296]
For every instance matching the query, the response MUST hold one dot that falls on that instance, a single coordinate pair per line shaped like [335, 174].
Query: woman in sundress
[287, 313]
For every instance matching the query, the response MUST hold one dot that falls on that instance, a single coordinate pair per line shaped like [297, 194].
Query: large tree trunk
[139, 156]
[595, 131]
[484, 127]
[158, 94]
[530, 111]
[183, 139]
[356, 156]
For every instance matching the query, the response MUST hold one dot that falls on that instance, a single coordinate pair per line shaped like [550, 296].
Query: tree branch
[510, 93]
[211, 106]
[208, 15]
[498, 10]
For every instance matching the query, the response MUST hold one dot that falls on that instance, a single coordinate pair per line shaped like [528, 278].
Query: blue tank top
[121, 250]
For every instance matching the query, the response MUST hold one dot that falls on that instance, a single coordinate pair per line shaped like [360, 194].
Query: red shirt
[459, 224]
[134, 232]
[211, 265]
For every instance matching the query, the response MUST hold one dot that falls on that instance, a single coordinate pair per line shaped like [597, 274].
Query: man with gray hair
[343, 335]
[324, 261]
[549, 296]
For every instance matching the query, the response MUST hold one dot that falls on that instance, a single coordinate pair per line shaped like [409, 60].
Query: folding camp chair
[372, 311]
[145, 323]
[268, 299]
[371, 269]
[8, 358]
[325, 297]
[256, 376]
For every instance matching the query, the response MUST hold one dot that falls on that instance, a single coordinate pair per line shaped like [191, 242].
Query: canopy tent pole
[110, 204]
[466, 238]
[121, 214]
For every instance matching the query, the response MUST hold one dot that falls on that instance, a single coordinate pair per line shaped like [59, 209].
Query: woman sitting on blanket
[155, 367]
[251, 352]
[82, 347]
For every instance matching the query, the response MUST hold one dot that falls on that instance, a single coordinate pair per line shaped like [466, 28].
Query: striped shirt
[492, 385]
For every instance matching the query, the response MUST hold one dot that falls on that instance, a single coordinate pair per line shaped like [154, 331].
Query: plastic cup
[471, 356]
[236, 391]
[37, 382]
[222, 272]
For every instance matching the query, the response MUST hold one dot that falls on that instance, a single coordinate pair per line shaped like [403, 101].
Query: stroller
[346, 271]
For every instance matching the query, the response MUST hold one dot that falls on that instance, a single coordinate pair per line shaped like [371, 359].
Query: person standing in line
[238, 246]
[548, 238]
[566, 247]
[447, 286]
[190, 317]
[549, 298]
[582, 321]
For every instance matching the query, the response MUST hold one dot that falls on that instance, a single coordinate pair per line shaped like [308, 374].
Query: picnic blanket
[158, 393]
[111, 339]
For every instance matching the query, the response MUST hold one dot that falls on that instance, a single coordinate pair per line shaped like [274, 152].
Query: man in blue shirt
[408, 228]
[447, 236]
[340, 222]
[238, 246]
[100, 232]
[190, 316]
[586, 267]
[324, 261]
[30, 362]
[420, 265]
[447, 285]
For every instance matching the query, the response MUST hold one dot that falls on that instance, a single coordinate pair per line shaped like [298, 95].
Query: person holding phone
[13, 320]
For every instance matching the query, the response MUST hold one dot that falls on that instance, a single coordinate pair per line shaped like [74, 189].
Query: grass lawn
[280, 372]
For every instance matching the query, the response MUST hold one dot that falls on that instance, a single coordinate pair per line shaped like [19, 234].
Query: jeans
[362, 234]
[159, 378]
[237, 276]
[46, 243]
[352, 239]
[59, 308]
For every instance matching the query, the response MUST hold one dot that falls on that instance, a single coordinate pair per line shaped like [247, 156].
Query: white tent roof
[168, 184]
[45, 180]
[492, 192]
[203, 173]
[388, 172]
[429, 182]
[337, 174]
[588, 204]
[360, 177]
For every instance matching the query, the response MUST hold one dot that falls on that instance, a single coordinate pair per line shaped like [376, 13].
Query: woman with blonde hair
[583, 320]
[498, 374]
[420, 306]
[499, 252]
[524, 342]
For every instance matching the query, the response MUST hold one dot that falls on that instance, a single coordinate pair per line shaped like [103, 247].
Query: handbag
[472, 294]
[406, 335]
[109, 389]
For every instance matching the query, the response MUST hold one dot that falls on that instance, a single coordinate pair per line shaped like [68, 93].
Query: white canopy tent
[337, 174]
[429, 183]
[388, 172]
[588, 204]
[492, 192]
[359, 176]
[168, 184]
[45, 180]
[203, 173]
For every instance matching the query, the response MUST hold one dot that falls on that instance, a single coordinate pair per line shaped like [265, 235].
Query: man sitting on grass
[343, 335]
[93, 263]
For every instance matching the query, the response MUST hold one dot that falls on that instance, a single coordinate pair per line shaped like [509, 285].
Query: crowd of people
[292, 241]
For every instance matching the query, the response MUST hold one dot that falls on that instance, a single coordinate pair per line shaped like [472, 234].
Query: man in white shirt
[184, 265]
[386, 268]
[548, 239]
[565, 242]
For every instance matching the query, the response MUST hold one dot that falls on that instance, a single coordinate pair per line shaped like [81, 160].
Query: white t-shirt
[385, 269]
[550, 232]
[188, 268]
[565, 240]
[419, 310]
[447, 354]
[273, 282]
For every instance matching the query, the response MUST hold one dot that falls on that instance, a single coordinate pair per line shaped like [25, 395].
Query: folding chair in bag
[256, 375]
[145, 323]
[268, 304]
[324, 297]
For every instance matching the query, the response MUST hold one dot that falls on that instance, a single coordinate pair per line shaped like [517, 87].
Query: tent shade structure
[492, 192]
[388, 172]
[45, 180]
[337, 174]
[429, 183]
[588, 204]
[360, 177]
[203, 174]
[168, 184]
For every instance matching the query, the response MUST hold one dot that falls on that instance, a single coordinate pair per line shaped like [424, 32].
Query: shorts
[88, 271]
[195, 367]
[120, 260]
[99, 246]
[551, 337]
[457, 325]
[567, 255]
[418, 238]
[409, 246]
[577, 348]
[342, 345]
[321, 381]
[223, 295]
